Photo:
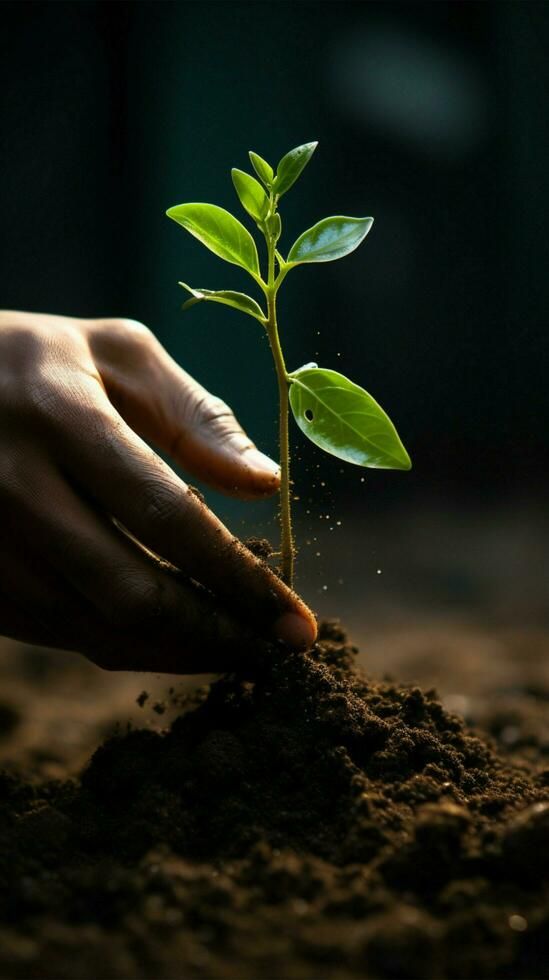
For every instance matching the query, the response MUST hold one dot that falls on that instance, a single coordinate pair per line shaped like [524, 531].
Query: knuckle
[237, 441]
[161, 504]
[212, 409]
[122, 341]
[43, 399]
[132, 332]
[218, 418]
[62, 410]
[40, 367]
[96, 425]
[212, 413]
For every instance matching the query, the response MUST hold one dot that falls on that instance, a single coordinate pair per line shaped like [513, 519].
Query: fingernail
[261, 462]
[296, 631]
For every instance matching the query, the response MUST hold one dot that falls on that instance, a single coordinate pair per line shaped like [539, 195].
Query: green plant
[333, 412]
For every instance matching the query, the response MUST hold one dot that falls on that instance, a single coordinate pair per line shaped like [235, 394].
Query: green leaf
[291, 166]
[219, 231]
[330, 239]
[251, 194]
[345, 420]
[263, 169]
[239, 301]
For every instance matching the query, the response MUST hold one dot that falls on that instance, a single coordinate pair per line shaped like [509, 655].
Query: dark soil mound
[310, 823]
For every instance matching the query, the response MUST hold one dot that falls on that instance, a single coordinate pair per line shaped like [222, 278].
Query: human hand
[77, 400]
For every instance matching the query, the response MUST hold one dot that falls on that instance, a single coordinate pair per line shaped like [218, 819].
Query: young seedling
[333, 412]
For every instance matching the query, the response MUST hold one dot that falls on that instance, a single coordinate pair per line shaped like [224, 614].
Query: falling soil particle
[311, 823]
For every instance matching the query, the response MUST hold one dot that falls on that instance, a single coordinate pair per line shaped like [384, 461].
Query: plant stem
[287, 542]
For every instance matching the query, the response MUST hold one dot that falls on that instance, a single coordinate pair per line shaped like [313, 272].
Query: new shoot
[333, 412]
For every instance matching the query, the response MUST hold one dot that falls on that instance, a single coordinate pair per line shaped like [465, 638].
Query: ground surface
[313, 824]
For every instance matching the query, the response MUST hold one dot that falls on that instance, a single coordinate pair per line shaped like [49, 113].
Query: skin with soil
[307, 823]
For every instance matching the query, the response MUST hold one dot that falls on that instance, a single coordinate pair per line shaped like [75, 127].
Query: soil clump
[309, 823]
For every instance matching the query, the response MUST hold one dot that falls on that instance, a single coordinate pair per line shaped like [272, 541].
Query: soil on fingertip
[260, 547]
[309, 823]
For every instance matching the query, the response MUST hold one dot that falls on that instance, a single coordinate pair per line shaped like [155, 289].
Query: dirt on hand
[309, 823]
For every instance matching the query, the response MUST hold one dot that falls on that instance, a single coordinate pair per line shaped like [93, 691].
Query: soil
[309, 823]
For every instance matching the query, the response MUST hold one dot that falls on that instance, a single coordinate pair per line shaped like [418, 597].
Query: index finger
[129, 481]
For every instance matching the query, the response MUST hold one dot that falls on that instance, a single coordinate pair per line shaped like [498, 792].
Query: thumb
[166, 406]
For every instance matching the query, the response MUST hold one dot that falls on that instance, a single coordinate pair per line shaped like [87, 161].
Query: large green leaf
[345, 420]
[251, 194]
[290, 167]
[219, 231]
[263, 169]
[239, 301]
[330, 239]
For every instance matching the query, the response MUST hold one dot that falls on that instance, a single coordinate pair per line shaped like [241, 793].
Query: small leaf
[219, 231]
[263, 169]
[291, 166]
[251, 194]
[274, 226]
[330, 239]
[345, 420]
[239, 301]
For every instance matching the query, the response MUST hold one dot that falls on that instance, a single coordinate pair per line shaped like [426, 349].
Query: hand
[77, 400]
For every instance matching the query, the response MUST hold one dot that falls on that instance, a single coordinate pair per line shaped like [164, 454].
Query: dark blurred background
[433, 118]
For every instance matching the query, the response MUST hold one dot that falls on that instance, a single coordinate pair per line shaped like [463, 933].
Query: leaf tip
[405, 463]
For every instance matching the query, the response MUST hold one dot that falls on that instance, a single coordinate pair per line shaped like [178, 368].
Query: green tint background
[431, 117]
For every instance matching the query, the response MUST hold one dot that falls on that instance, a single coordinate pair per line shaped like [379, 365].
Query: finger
[37, 605]
[130, 482]
[167, 406]
[130, 614]
[215, 644]
[193, 636]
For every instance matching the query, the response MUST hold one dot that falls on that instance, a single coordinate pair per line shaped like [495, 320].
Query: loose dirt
[309, 823]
